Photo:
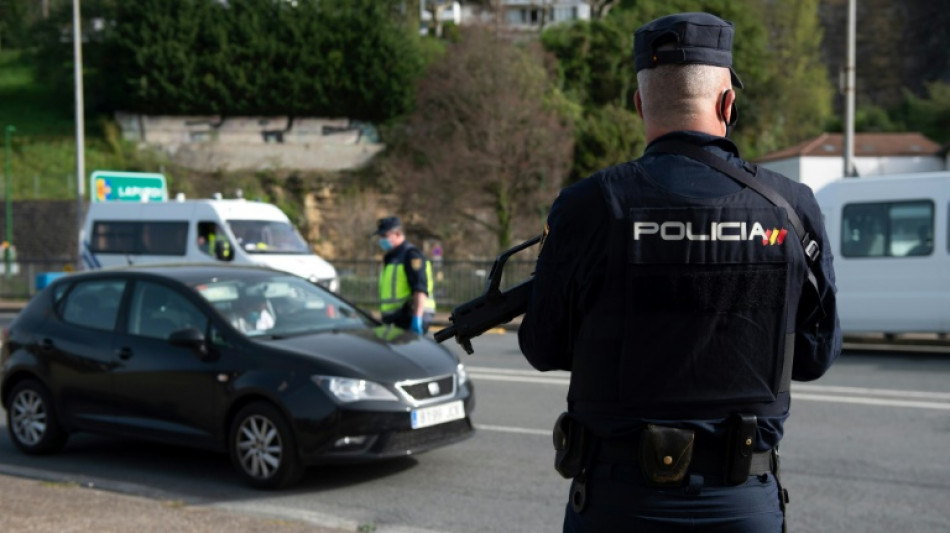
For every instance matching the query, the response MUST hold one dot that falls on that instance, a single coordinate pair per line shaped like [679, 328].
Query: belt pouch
[570, 446]
[740, 448]
[665, 454]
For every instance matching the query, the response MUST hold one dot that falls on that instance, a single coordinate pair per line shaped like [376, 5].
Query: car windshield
[279, 306]
[268, 237]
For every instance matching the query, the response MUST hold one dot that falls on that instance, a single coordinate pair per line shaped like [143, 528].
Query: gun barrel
[444, 334]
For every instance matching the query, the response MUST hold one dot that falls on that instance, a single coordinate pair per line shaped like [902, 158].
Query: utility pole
[849, 170]
[8, 177]
[80, 127]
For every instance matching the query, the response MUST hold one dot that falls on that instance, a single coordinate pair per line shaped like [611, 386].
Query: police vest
[394, 290]
[691, 317]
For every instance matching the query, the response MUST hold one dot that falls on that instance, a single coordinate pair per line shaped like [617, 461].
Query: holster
[665, 454]
[739, 448]
[570, 446]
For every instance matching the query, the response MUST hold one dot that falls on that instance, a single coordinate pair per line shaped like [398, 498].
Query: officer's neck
[702, 124]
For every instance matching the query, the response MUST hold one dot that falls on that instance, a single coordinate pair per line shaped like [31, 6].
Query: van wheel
[32, 421]
[263, 448]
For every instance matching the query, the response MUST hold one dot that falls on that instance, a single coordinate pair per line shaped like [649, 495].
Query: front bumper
[378, 430]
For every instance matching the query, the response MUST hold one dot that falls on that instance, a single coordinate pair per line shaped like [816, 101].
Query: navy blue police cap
[697, 38]
[385, 225]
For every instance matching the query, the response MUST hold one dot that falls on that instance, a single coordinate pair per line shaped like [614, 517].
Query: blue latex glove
[416, 325]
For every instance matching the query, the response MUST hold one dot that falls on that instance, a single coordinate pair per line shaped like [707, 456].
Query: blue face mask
[385, 244]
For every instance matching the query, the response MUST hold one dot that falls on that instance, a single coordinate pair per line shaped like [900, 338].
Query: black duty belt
[709, 459]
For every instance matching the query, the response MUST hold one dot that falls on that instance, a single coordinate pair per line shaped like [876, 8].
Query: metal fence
[455, 281]
[19, 283]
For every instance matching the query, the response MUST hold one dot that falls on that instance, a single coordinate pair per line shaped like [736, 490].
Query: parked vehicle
[236, 231]
[891, 239]
[275, 370]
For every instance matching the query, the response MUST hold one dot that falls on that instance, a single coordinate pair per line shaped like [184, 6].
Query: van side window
[887, 229]
[139, 238]
[213, 241]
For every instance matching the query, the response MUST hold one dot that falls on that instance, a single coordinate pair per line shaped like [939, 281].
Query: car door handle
[47, 345]
[124, 353]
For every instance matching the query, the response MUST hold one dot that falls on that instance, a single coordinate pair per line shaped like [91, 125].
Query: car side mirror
[192, 338]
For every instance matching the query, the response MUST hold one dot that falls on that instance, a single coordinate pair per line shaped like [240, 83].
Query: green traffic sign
[113, 186]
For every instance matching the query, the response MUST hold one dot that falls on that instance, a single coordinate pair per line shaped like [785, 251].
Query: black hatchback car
[273, 369]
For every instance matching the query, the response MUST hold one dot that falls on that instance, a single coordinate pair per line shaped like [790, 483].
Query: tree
[353, 58]
[796, 96]
[487, 143]
[931, 115]
[435, 8]
[600, 8]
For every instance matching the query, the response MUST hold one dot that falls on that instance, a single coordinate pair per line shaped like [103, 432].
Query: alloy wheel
[259, 447]
[28, 417]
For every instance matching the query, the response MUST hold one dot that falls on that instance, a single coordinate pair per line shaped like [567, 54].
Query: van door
[889, 266]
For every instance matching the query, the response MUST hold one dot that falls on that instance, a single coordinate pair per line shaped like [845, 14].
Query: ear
[638, 103]
[727, 109]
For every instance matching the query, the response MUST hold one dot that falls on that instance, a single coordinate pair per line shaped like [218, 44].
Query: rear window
[92, 304]
[139, 238]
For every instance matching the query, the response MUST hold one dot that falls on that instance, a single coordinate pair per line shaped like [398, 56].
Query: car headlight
[462, 374]
[349, 390]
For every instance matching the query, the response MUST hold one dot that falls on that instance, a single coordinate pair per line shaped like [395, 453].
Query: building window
[887, 229]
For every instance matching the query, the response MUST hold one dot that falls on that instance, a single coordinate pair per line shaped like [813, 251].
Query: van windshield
[268, 237]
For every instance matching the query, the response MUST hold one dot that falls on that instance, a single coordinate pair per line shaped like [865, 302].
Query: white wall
[816, 172]
[790, 168]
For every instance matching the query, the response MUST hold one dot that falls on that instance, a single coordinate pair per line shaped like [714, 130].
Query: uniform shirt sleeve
[415, 265]
[548, 329]
[818, 335]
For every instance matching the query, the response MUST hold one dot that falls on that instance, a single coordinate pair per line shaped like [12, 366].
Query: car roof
[186, 273]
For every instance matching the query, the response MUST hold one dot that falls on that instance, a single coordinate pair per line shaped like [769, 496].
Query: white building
[821, 160]
[528, 15]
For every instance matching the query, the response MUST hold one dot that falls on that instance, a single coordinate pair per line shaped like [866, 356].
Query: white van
[199, 231]
[890, 236]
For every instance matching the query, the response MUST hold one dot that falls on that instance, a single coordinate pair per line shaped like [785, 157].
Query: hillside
[899, 45]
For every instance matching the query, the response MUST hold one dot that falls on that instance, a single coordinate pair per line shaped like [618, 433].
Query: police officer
[405, 284]
[683, 300]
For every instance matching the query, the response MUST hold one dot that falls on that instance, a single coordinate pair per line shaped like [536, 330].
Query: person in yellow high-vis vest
[406, 298]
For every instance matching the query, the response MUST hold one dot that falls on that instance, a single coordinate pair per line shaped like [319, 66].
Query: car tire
[32, 421]
[263, 447]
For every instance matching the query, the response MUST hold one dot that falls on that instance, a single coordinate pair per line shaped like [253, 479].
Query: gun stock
[491, 309]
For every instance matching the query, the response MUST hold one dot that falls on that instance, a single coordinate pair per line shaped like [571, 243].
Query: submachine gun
[491, 309]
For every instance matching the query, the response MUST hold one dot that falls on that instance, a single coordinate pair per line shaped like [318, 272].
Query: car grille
[421, 439]
[422, 392]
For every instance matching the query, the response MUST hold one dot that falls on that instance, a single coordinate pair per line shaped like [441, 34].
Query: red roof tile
[865, 145]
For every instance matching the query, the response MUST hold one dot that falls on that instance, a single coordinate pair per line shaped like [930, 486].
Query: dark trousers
[618, 500]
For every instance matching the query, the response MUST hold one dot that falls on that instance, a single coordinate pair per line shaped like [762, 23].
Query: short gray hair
[679, 91]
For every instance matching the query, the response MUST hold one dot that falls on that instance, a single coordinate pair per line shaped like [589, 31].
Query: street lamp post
[9, 203]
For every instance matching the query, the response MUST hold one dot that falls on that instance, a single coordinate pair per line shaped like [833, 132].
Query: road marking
[509, 429]
[806, 392]
[870, 401]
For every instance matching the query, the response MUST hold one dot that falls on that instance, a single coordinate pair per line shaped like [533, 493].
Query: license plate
[437, 414]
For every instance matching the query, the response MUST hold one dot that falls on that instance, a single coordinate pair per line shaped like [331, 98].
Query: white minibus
[890, 236]
[199, 231]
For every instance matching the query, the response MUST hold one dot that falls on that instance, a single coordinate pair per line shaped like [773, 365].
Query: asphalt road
[865, 451]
